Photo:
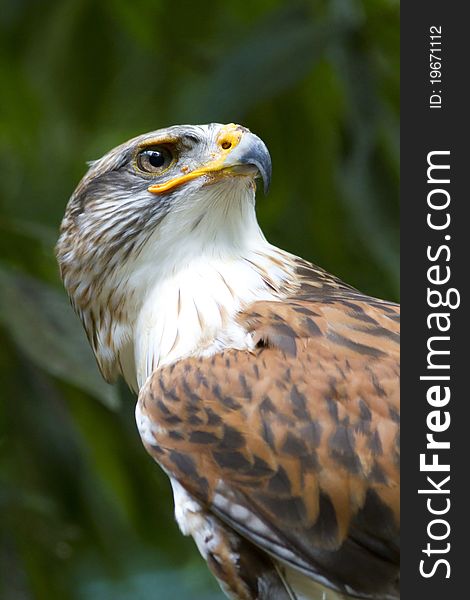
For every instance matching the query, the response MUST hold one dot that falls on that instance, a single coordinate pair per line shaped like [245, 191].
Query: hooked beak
[239, 152]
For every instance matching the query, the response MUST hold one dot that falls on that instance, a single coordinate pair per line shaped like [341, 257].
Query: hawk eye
[154, 159]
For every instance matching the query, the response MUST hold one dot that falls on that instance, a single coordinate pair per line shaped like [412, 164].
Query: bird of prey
[267, 388]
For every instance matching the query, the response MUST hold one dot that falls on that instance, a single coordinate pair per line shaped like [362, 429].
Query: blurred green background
[84, 512]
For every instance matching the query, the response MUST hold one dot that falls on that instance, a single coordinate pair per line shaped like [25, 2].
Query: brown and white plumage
[268, 389]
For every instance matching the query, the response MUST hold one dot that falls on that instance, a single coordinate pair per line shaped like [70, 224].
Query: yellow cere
[227, 139]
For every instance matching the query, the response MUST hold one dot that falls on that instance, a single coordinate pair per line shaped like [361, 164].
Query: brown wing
[295, 445]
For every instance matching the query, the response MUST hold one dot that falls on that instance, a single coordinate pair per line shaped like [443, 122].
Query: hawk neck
[193, 311]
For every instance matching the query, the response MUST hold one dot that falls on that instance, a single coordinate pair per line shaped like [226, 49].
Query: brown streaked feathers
[302, 433]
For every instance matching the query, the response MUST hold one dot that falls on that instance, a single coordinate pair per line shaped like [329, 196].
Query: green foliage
[85, 514]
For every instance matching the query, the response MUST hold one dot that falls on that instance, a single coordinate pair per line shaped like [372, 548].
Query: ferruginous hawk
[268, 388]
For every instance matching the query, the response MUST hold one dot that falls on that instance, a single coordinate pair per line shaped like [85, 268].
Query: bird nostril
[226, 145]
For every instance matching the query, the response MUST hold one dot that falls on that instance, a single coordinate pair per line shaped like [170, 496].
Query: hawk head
[146, 209]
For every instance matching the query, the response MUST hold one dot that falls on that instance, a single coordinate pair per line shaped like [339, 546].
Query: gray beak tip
[257, 154]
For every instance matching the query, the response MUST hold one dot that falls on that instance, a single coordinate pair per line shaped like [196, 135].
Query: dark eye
[155, 159]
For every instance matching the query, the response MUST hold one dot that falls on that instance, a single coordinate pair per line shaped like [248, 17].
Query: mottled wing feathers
[295, 445]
